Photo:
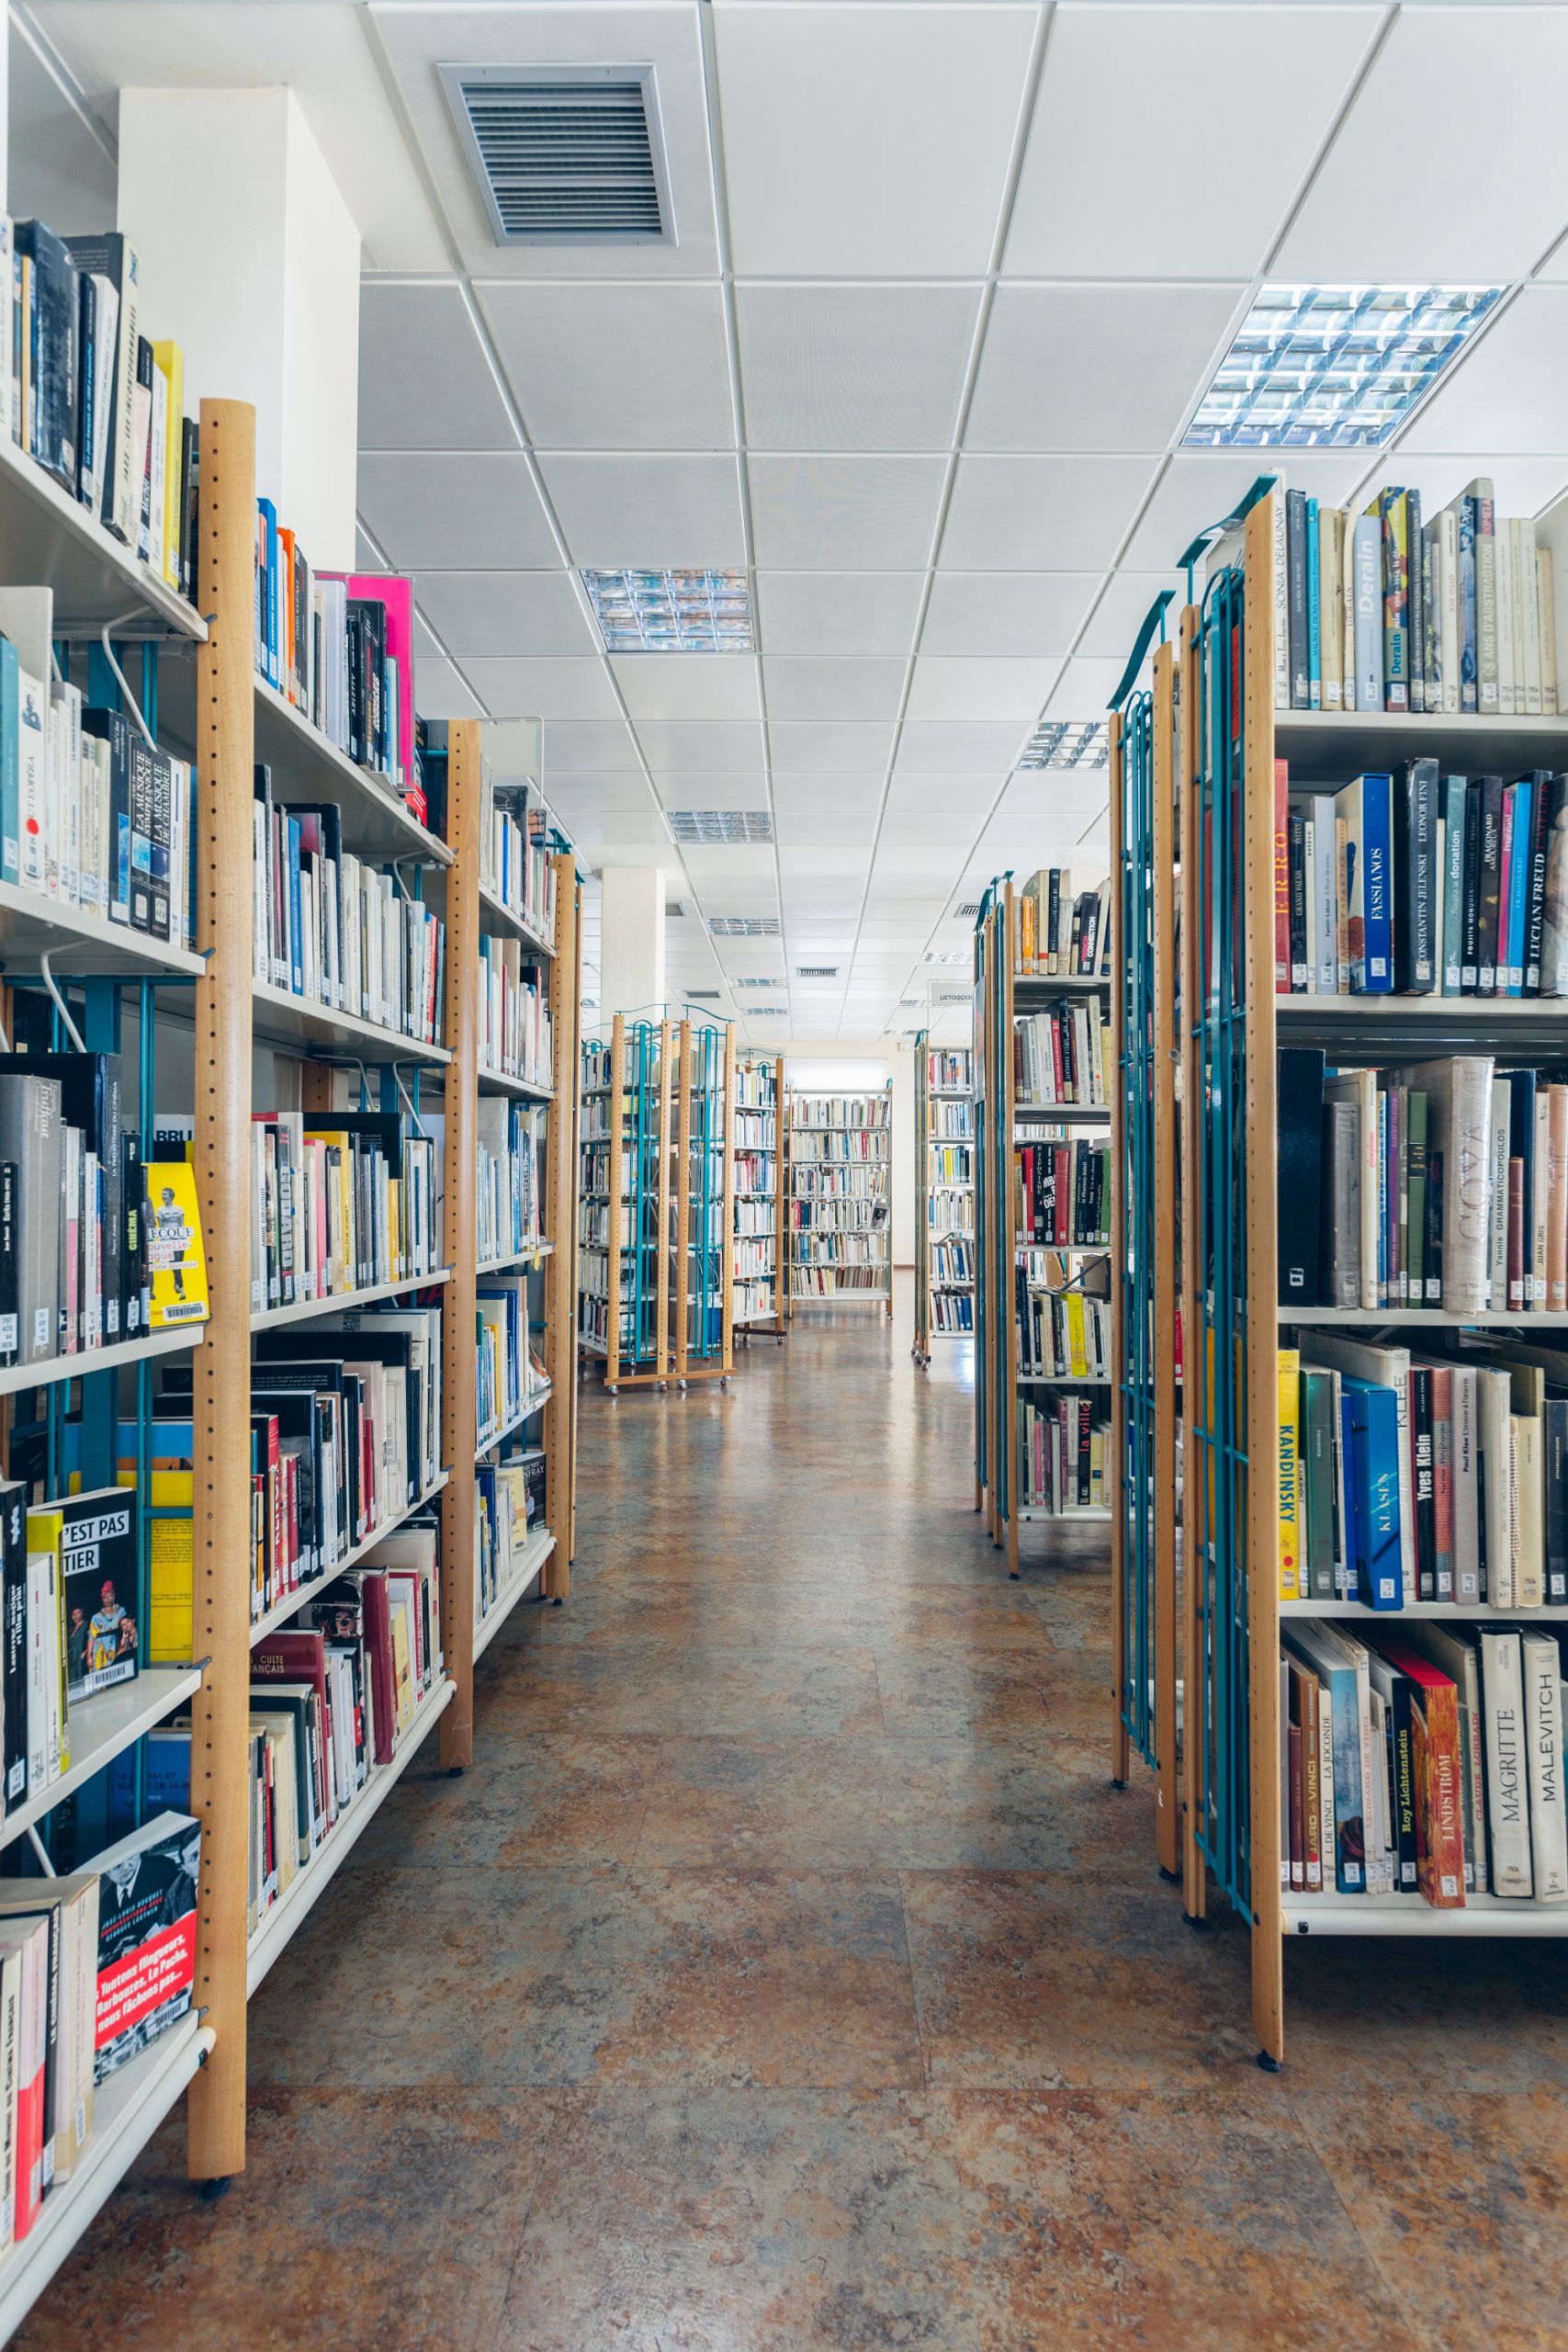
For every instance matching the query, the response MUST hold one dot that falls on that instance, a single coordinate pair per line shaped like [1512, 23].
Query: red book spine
[1281, 877]
[1297, 1811]
[1515, 1233]
[1439, 1812]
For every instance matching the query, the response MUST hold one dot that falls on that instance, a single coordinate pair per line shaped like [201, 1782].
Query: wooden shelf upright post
[220, 1368]
[561, 1208]
[465, 816]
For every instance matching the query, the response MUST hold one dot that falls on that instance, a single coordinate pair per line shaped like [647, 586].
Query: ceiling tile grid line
[482, 333]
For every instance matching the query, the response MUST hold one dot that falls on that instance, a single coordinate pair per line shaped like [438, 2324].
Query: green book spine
[1317, 1463]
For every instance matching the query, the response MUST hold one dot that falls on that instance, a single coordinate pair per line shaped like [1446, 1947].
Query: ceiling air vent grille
[970, 907]
[565, 154]
[817, 971]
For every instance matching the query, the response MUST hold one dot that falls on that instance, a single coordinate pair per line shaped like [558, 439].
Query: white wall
[900, 1068]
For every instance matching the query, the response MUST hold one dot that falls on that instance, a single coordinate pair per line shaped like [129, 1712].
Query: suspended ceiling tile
[497, 613]
[688, 686]
[829, 689]
[440, 691]
[827, 745]
[1199, 486]
[868, 142]
[570, 747]
[837, 612]
[405, 404]
[960, 790]
[843, 512]
[457, 512]
[847, 862]
[1469, 228]
[623, 511]
[1012, 613]
[419, 39]
[1506, 392]
[573, 690]
[1109, 367]
[1086, 686]
[720, 872]
[930, 827]
[1041, 513]
[715, 788]
[621, 366]
[1122, 610]
[965, 687]
[701, 743]
[900, 865]
[854, 366]
[1110, 146]
[945, 747]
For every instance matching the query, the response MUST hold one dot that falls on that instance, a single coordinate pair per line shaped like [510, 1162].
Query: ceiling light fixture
[817, 971]
[748, 982]
[704, 996]
[744, 926]
[1334, 366]
[720, 824]
[953, 956]
[673, 612]
[1066, 743]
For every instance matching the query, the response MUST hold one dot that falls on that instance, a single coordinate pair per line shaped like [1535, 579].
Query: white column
[250, 260]
[631, 940]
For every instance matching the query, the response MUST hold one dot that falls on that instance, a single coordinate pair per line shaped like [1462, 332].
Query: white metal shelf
[48, 1368]
[1079, 1511]
[523, 1257]
[288, 1914]
[540, 1396]
[1432, 1319]
[1407, 1915]
[126, 2110]
[50, 538]
[499, 911]
[516, 1588]
[281, 1017]
[100, 1728]
[1461, 1612]
[311, 767]
[268, 1318]
[32, 925]
[500, 1081]
[281, 1610]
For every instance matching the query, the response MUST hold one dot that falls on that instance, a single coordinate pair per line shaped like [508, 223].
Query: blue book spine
[1453, 882]
[10, 721]
[1377, 879]
[1350, 1839]
[1374, 1432]
[269, 590]
[1368, 546]
[1315, 616]
[1519, 886]
[295, 952]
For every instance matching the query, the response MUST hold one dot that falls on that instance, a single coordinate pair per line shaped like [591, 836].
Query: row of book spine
[1063, 1192]
[1060, 931]
[855, 1112]
[509, 1514]
[1430, 1766]
[1063, 1447]
[1060, 1056]
[515, 1026]
[825, 1282]
[339, 647]
[948, 1068]
[508, 1157]
[1062, 1335]
[952, 1310]
[339, 1202]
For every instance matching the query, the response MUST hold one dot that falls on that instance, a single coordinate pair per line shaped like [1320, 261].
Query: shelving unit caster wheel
[682, 1386]
[611, 1389]
[724, 1380]
[1269, 2065]
[209, 2191]
[664, 1388]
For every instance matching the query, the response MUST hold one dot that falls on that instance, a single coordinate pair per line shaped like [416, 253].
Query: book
[177, 1262]
[147, 1928]
[93, 1538]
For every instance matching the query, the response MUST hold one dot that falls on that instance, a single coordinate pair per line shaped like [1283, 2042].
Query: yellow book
[402, 1665]
[174, 1255]
[1290, 1474]
[172, 360]
[397, 1253]
[1078, 1352]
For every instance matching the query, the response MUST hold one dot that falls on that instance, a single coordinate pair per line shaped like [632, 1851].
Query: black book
[1416, 878]
[1295, 559]
[1424, 1486]
[1296, 853]
[134, 1293]
[142, 825]
[1470, 919]
[1535, 901]
[115, 728]
[50, 433]
[1053, 910]
[98, 1560]
[1554, 1438]
[1299, 1103]
[162, 796]
[190, 515]
[89, 490]
[89, 1100]
[114, 257]
[1044, 1192]
[14, 1637]
[141, 457]
[1488, 926]
[10, 1302]
[1521, 1086]
[1402, 1736]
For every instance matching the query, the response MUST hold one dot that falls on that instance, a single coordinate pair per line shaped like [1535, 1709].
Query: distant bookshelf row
[841, 1200]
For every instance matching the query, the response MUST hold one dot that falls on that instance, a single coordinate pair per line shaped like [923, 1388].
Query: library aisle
[789, 1978]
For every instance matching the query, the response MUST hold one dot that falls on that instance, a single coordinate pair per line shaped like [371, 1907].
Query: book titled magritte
[146, 1936]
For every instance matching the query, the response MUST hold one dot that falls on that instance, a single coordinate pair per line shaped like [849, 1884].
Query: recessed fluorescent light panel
[764, 1012]
[673, 612]
[721, 824]
[744, 926]
[817, 971]
[749, 983]
[954, 955]
[1334, 366]
[1065, 743]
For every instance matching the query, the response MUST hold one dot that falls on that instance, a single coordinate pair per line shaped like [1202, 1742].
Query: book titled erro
[146, 1936]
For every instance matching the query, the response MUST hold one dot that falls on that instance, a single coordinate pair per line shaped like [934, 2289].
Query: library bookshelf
[945, 1196]
[840, 1199]
[1010, 1269]
[217, 711]
[1210, 1609]
[761, 1295]
[656, 1182]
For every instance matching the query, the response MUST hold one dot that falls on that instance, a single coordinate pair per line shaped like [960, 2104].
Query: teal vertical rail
[1216, 1366]
[985, 1297]
[1137, 1500]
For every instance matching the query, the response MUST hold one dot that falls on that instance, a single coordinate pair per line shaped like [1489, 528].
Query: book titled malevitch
[93, 1536]
[147, 1899]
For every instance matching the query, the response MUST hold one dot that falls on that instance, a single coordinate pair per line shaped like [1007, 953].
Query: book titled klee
[174, 1255]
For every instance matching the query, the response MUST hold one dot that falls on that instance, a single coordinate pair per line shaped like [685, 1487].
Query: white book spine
[1467, 1522]
[1547, 600]
[1507, 1767]
[1542, 1669]
[1528, 592]
[1503, 561]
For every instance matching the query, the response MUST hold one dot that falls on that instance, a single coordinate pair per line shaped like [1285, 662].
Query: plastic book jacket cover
[146, 1936]
[176, 1261]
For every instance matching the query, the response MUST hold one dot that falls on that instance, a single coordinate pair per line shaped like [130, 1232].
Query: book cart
[826, 1186]
[944, 1195]
[656, 1256]
[111, 986]
[1226, 735]
[1003, 1123]
[761, 1300]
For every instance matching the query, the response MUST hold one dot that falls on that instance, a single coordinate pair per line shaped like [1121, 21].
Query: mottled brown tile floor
[787, 1975]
